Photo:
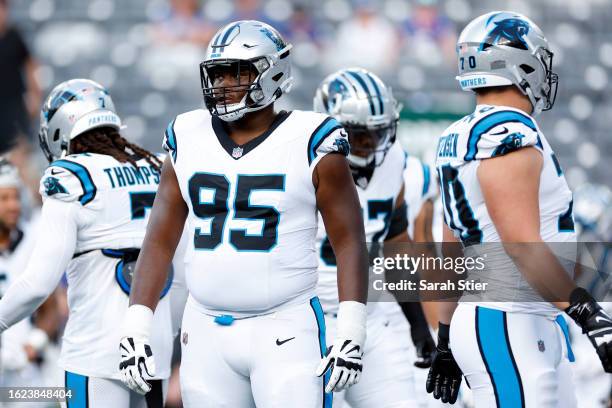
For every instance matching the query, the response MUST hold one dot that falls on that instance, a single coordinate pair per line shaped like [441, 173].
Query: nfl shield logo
[185, 338]
[541, 346]
[237, 152]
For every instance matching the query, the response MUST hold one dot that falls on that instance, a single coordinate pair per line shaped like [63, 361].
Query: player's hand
[424, 349]
[343, 358]
[444, 378]
[136, 362]
[595, 323]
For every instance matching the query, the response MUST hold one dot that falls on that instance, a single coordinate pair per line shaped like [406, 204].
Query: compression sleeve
[55, 245]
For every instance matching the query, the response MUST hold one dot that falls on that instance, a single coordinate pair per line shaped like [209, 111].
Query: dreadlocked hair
[106, 140]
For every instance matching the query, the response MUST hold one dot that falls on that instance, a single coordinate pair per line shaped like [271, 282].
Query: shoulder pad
[67, 180]
[328, 137]
[499, 133]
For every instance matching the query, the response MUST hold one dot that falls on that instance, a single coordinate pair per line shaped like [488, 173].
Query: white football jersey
[252, 209]
[115, 200]
[377, 200]
[489, 132]
[419, 186]
[12, 262]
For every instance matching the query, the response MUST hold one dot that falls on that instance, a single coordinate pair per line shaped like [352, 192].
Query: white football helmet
[365, 107]
[250, 45]
[72, 108]
[504, 48]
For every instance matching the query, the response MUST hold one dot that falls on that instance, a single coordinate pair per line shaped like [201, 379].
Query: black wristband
[443, 334]
[580, 295]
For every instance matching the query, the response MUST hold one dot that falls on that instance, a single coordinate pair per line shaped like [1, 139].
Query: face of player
[10, 207]
[366, 142]
[231, 81]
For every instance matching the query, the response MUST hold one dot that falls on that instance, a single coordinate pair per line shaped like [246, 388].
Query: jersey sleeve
[68, 181]
[501, 133]
[430, 185]
[169, 144]
[328, 137]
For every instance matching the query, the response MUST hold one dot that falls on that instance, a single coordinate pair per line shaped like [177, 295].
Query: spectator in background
[429, 31]
[184, 23]
[20, 99]
[303, 26]
[367, 40]
[20, 95]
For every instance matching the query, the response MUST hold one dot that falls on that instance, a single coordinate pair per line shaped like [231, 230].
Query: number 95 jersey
[252, 209]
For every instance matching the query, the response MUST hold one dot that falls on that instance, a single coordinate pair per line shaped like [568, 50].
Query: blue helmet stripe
[363, 84]
[489, 122]
[227, 34]
[378, 95]
[80, 171]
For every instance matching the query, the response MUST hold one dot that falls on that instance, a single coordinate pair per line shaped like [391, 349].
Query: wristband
[352, 318]
[137, 322]
[443, 334]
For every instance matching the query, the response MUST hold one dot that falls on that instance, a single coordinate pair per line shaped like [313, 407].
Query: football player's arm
[338, 203]
[423, 223]
[517, 198]
[164, 229]
[55, 245]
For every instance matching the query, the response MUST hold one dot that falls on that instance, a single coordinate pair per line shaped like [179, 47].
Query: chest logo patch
[237, 152]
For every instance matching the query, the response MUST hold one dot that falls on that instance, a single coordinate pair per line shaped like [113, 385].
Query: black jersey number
[140, 202]
[217, 210]
[469, 229]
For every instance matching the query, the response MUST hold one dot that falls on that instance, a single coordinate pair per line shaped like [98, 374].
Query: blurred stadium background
[147, 52]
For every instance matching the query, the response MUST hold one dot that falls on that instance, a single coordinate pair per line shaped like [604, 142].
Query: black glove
[425, 347]
[444, 378]
[595, 323]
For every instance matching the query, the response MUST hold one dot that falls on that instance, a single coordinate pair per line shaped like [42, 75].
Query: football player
[97, 193]
[249, 182]
[593, 216]
[502, 183]
[366, 108]
[24, 344]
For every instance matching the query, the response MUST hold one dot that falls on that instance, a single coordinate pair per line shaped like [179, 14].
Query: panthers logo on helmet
[280, 44]
[342, 145]
[336, 90]
[508, 32]
[53, 186]
[510, 143]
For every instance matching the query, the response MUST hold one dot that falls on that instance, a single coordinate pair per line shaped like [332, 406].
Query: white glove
[136, 355]
[343, 358]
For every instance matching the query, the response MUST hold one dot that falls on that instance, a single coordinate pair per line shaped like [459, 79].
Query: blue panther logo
[335, 87]
[280, 44]
[342, 145]
[53, 186]
[509, 144]
[508, 32]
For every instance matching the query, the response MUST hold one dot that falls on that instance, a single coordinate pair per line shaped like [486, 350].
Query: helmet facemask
[552, 80]
[243, 94]
[369, 144]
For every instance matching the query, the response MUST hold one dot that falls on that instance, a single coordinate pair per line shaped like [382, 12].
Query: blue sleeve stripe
[426, 179]
[495, 350]
[320, 319]
[78, 386]
[381, 109]
[81, 172]
[171, 138]
[489, 122]
[319, 135]
[363, 84]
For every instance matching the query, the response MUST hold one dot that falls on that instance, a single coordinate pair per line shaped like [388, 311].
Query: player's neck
[251, 125]
[5, 237]
[509, 97]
